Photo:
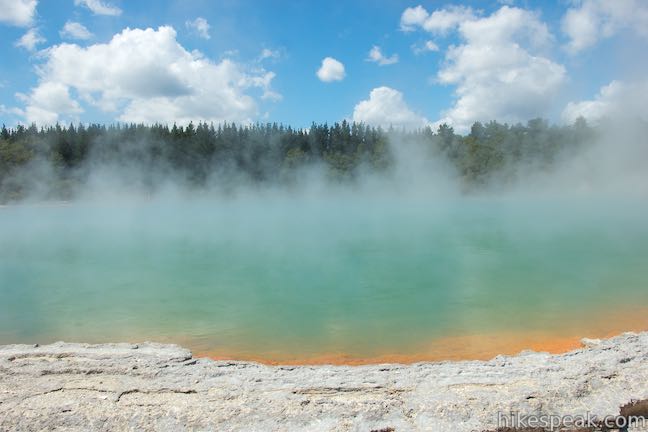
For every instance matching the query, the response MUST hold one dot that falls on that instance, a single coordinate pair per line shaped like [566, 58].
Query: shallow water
[295, 278]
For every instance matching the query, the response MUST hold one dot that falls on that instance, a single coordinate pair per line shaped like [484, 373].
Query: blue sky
[508, 61]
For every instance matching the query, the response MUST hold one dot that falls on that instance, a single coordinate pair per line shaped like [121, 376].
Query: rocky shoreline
[152, 386]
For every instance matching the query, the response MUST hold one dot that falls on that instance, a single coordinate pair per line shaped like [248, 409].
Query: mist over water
[383, 265]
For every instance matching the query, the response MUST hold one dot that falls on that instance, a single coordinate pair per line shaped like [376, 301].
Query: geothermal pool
[317, 279]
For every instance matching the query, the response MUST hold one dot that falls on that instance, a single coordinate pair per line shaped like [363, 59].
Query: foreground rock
[161, 387]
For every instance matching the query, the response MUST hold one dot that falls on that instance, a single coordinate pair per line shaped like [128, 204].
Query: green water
[351, 274]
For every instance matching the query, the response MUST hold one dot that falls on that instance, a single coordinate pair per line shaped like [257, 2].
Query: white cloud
[592, 20]
[376, 56]
[30, 39]
[498, 68]
[387, 107]
[11, 111]
[264, 81]
[581, 27]
[147, 76]
[75, 30]
[615, 100]
[413, 17]
[200, 26]
[18, 12]
[98, 7]
[331, 70]
[427, 46]
[440, 21]
[267, 53]
[47, 102]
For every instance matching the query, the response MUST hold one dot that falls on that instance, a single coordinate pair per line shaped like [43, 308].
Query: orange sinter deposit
[465, 347]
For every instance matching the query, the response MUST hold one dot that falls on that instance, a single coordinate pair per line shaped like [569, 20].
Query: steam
[610, 159]
[309, 263]
[611, 164]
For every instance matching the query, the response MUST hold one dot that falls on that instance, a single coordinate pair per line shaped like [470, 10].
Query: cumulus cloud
[146, 76]
[413, 17]
[200, 26]
[30, 39]
[18, 12]
[387, 107]
[98, 7]
[47, 102]
[498, 68]
[615, 100]
[331, 70]
[75, 30]
[427, 46]
[439, 21]
[592, 20]
[376, 55]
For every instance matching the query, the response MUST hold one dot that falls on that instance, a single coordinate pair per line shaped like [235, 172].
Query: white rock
[587, 342]
[80, 387]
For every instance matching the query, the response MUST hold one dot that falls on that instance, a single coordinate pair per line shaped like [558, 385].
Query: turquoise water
[264, 276]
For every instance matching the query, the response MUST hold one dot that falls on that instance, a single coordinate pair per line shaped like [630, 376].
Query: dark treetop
[55, 162]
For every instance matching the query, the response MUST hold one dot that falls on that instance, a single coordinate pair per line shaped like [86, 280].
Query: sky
[391, 62]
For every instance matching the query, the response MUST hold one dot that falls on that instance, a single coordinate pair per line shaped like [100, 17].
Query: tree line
[57, 160]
